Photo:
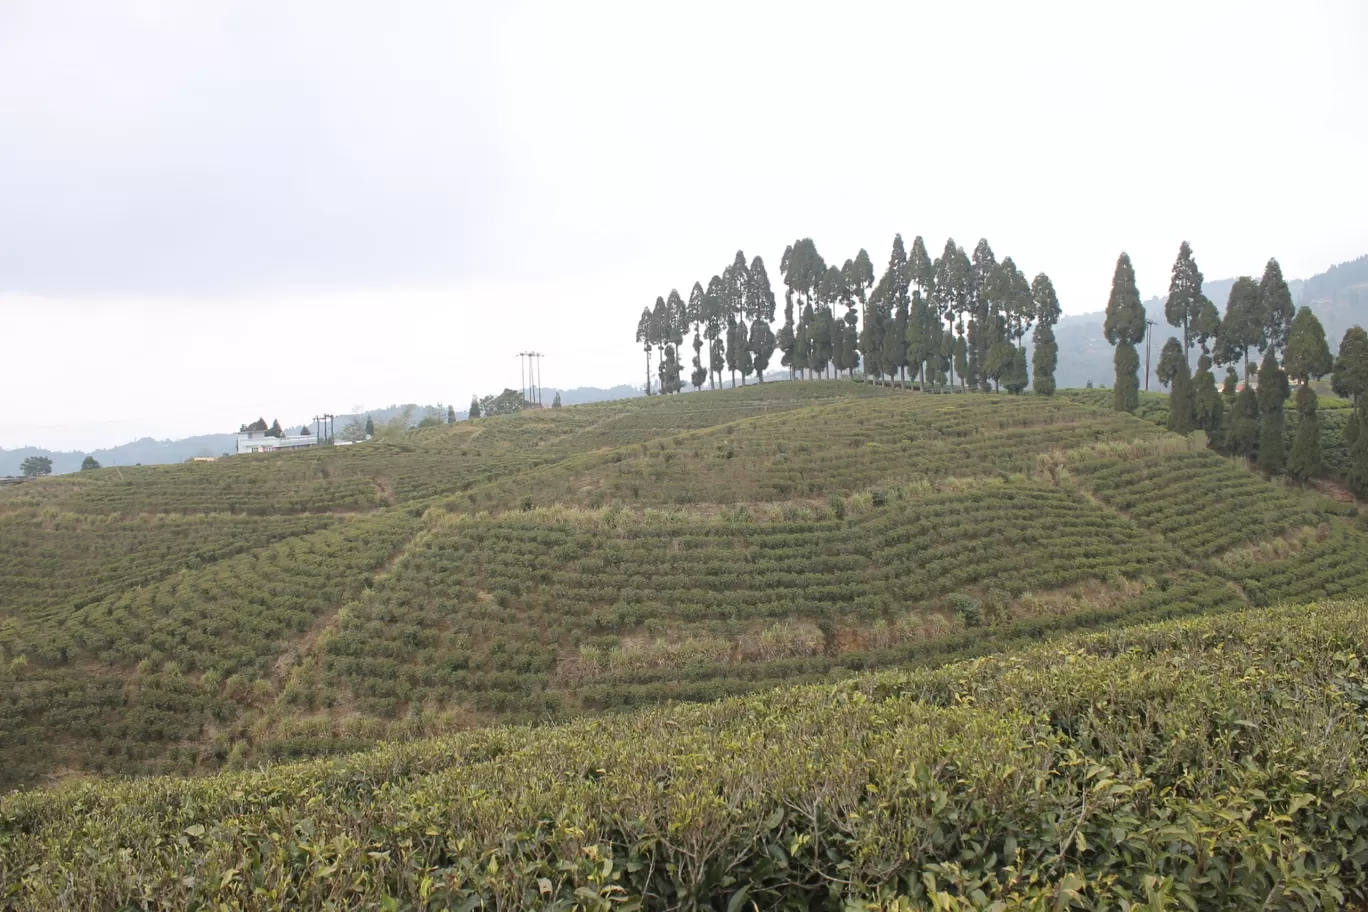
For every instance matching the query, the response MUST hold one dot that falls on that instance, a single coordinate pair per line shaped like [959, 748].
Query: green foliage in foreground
[1210, 763]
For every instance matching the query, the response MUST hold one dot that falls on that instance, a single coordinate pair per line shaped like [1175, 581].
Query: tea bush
[1209, 763]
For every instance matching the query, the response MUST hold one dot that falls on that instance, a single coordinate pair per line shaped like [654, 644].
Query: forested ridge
[959, 322]
[953, 320]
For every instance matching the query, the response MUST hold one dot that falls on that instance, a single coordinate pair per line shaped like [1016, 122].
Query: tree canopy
[506, 403]
[1243, 327]
[1184, 307]
[36, 466]
[1307, 354]
[1124, 327]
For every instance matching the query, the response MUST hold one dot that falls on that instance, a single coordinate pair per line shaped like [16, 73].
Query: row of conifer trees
[1244, 417]
[958, 320]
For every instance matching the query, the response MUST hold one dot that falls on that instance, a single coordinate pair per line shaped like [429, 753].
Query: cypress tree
[1173, 372]
[1307, 353]
[859, 280]
[556, 402]
[1350, 379]
[645, 336]
[1243, 326]
[920, 341]
[850, 337]
[1182, 401]
[734, 346]
[451, 414]
[1349, 376]
[660, 328]
[951, 295]
[696, 309]
[474, 413]
[1273, 391]
[872, 333]
[1275, 306]
[714, 307]
[1242, 427]
[1206, 324]
[1307, 357]
[1356, 436]
[1208, 406]
[1046, 350]
[981, 331]
[762, 344]
[1305, 459]
[1185, 294]
[700, 373]
[1170, 356]
[895, 282]
[1017, 375]
[1124, 328]
[960, 348]
[803, 270]
[760, 306]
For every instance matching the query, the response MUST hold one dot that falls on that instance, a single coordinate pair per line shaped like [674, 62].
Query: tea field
[1213, 762]
[594, 560]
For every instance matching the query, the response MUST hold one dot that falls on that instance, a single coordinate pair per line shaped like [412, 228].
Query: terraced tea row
[1216, 763]
[202, 642]
[492, 613]
[817, 451]
[1198, 500]
[51, 563]
[416, 466]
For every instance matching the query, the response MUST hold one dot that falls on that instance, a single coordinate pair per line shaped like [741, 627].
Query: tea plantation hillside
[1217, 762]
[562, 562]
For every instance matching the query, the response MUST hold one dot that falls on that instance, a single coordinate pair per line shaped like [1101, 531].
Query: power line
[529, 374]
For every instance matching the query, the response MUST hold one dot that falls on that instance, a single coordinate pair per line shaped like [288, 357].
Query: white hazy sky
[214, 210]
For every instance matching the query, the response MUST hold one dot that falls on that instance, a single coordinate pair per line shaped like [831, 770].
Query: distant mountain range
[154, 452]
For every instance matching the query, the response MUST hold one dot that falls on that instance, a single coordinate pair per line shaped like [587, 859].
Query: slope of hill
[1212, 763]
[147, 451]
[591, 558]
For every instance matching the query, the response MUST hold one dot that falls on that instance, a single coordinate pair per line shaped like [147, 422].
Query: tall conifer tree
[1209, 406]
[1243, 326]
[1275, 306]
[760, 306]
[1185, 298]
[1307, 357]
[1173, 372]
[1350, 379]
[1125, 328]
[1272, 395]
[645, 336]
[1046, 349]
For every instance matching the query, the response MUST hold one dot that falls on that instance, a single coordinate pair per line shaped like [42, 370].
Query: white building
[261, 442]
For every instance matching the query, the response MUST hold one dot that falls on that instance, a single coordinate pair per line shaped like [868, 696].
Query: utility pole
[536, 383]
[529, 371]
[1149, 324]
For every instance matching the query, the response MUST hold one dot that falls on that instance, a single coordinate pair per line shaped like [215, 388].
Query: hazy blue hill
[145, 451]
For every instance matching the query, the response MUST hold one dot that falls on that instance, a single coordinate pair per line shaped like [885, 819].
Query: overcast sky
[215, 210]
